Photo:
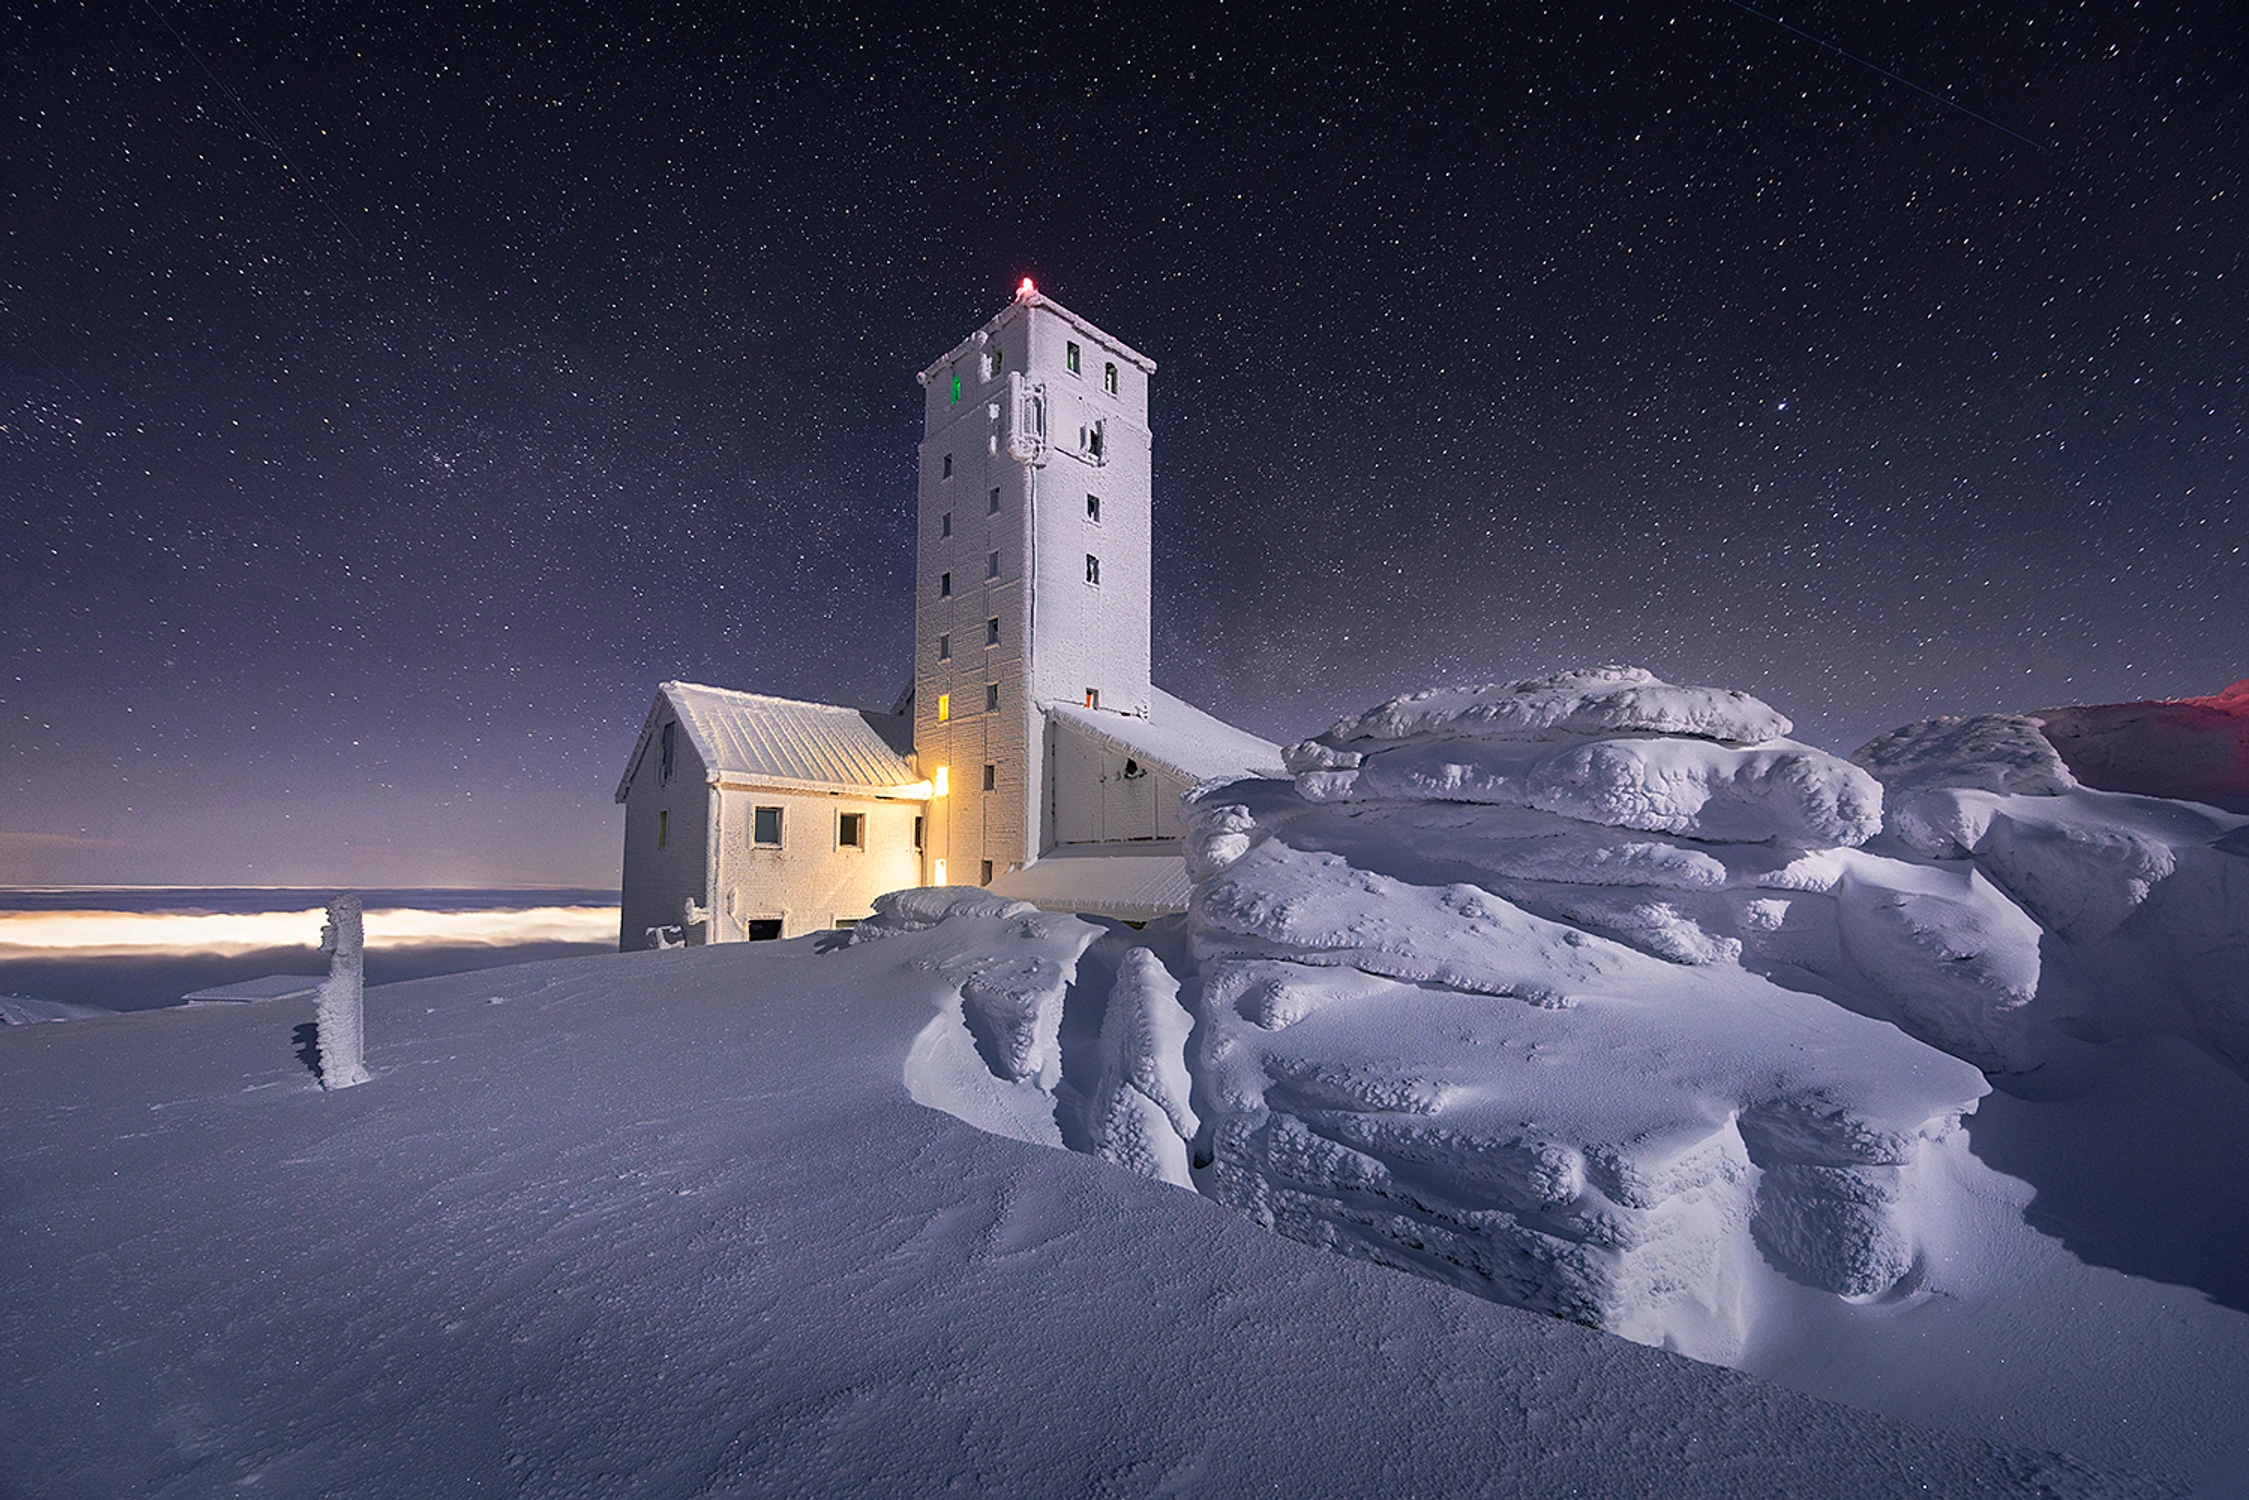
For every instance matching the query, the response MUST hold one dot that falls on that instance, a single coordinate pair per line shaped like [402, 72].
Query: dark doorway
[762, 929]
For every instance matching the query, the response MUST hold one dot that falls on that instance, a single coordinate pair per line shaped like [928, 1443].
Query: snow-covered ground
[1915, 1085]
[669, 1224]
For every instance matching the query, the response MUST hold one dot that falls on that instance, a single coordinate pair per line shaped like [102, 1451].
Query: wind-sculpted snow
[1504, 1091]
[1518, 989]
[2142, 902]
[1988, 752]
[1588, 701]
[1612, 746]
[1141, 1118]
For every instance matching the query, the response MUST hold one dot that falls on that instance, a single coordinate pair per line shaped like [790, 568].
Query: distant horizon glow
[91, 934]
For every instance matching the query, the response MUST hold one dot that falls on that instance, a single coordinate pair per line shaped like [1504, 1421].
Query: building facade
[1032, 755]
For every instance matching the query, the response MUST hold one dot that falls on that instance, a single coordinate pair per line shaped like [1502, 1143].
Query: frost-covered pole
[342, 1015]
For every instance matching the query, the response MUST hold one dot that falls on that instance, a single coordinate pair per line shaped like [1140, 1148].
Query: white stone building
[1033, 756]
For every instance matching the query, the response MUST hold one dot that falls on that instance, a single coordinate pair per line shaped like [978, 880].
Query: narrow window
[663, 827]
[917, 831]
[991, 778]
[1108, 379]
[671, 737]
[1070, 357]
[957, 386]
[991, 565]
[942, 783]
[948, 466]
[945, 648]
[992, 506]
[991, 697]
[1093, 697]
[937, 872]
[987, 872]
[992, 363]
[1093, 443]
[765, 827]
[944, 585]
[851, 830]
[1092, 568]
[945, 524]
[944, 707]
[1093, 507]
[992, 631]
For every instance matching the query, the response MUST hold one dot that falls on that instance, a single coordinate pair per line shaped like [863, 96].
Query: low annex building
[1031, 755]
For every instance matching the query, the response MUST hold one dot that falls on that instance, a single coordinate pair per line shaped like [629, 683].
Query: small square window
[991, 778]
[945, 648]
[991, 697]
[948, 467]
[1093, 507]
[944, 708]
[1108, 379]
[992, 506]
[851, 830]
[1070, 357]
[1093, 697]
[945, 524]
[1092, 569]
[992, 631]
[765, 827]
[991, 565]
[987, 872]
[944, 585]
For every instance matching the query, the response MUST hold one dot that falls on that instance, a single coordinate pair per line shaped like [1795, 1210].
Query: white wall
[1087, 635]
[810, 880]
[1096, 799]
[658, 881]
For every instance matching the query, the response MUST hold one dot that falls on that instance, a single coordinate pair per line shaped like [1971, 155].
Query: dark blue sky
[390, 398]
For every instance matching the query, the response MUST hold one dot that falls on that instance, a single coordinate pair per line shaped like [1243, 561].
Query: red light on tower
[1026, 290]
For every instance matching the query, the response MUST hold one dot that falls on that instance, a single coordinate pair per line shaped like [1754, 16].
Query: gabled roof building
[1032, 755]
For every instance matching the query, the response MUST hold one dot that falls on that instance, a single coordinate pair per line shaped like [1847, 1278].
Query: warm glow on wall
[942, 781]
[939, 877]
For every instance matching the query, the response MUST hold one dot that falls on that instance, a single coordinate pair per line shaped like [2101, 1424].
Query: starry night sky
[392, 397]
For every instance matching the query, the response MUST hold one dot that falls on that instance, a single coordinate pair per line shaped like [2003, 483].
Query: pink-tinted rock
[2196, 749]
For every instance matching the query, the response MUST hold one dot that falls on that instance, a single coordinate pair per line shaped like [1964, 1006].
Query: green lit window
[956, 387]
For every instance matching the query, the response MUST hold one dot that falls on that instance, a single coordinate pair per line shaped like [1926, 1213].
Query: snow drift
[1598, 995]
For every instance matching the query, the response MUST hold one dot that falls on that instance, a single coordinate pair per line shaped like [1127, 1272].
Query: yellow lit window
[944, 707]
[943, 784]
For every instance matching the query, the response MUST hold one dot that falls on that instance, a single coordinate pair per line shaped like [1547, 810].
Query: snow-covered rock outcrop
[1481, 998]
[1595, 994]
[2142, 902]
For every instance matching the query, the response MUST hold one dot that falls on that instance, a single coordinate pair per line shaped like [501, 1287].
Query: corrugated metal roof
[1179, 737]
[750, 737]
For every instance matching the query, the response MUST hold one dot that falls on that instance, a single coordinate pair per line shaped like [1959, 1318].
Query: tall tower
[1032, 569]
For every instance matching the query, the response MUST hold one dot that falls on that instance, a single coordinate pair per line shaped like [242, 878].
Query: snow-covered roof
[784, 741]
[1148, 881]
[1178, 737]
